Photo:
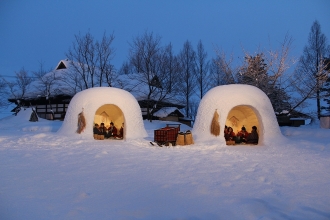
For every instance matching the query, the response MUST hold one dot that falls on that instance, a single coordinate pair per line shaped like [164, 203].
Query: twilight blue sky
[42, 30]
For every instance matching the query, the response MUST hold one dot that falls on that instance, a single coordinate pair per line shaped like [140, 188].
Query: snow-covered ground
[47, 176]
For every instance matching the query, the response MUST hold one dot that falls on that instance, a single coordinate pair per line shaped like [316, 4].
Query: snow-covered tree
[254, 72]
[258, 73]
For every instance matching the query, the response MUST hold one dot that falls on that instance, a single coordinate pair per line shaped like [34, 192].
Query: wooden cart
[167, 135]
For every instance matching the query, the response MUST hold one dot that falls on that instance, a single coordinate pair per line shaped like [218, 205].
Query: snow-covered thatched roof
[166, 111]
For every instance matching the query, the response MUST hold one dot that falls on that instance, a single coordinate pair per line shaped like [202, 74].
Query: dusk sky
[43, 30]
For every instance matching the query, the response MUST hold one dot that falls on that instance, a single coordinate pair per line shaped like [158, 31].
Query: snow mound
[246, 104]
[91, 100]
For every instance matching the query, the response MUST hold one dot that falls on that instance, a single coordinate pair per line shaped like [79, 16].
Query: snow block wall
[237, 105]
[91, 100]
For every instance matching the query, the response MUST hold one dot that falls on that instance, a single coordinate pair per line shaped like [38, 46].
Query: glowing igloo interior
[240, 116]
[109, 113]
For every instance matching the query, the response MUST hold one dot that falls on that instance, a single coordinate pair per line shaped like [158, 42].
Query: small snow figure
[34, 116]
[215, 126]
[81, 122]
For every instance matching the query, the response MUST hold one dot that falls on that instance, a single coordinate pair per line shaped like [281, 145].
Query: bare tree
[222, 71]
[170, 68]
[310, 74]
[106, 53]
[47, 82]
[202, 69]
[91, 61]
[188, 78]
[144, 59]
[20, 85]
[151, 66]
[268, 71]
[279, 61]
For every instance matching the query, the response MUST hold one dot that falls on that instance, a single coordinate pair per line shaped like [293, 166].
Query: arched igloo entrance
[110, 113]
[243, 115]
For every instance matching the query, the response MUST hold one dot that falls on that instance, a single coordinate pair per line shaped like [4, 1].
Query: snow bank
[21, 122]
[247, 103]
[90, 100]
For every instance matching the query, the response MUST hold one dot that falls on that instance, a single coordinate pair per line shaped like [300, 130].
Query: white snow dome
[237, 105]
[104, 105]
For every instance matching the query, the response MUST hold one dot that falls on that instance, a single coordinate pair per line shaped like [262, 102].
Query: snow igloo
[104, 104]
[237, 106]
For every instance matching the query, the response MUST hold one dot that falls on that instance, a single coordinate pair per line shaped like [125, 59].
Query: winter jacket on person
[112, 131]
[121, 133]
[96, 130]
[242, 136]
[253, 137]
[103, 130]
[230, 136]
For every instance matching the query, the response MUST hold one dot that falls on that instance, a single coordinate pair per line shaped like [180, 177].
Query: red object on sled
[167, 134]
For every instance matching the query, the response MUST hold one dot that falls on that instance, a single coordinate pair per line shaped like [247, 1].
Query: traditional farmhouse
[171, 114]
[237, 106]
[52, 94]
[104, 105]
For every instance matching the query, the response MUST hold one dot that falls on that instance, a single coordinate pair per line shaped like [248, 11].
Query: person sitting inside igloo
[96, 131]
[242, 136]
[103, 129]
[112, 131]
[225, 131]
[230, 135]
[253, 136]
[121, 131]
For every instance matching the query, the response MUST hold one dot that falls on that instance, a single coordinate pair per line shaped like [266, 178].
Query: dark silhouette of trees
[222, 72]
[47, 82]
[19, 87]
[202, 70]
[325, 90]
[91, 61]
[188, 76]
[154, 67]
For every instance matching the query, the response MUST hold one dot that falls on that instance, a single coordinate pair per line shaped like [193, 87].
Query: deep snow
[48, 176]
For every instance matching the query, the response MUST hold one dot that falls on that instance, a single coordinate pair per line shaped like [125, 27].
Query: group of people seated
[242, 136]
[110, 132]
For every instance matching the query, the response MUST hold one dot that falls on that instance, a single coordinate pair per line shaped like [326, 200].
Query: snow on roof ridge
[165, 111]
